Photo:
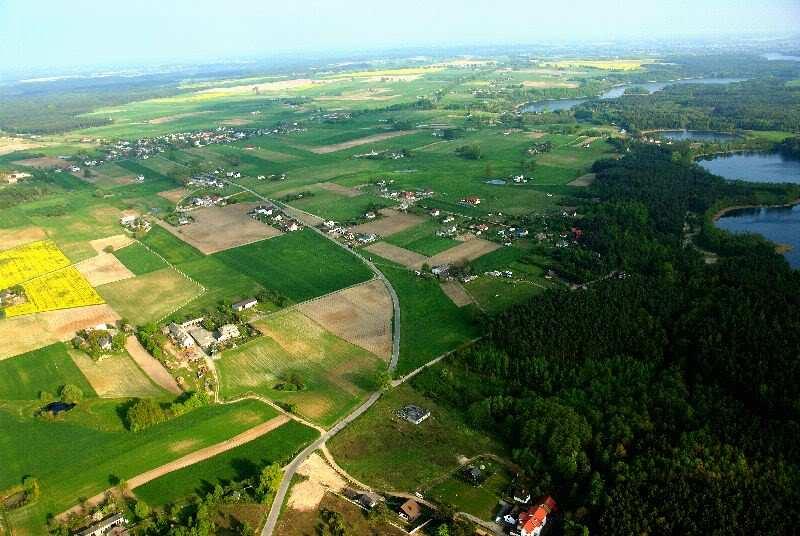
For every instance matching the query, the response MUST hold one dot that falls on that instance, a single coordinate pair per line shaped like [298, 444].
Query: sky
[66, 33]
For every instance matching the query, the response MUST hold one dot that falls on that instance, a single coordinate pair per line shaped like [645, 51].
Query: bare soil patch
[339, 189]
[174, 195]
[43, 162]
[10, 238]
[536, 134]
[456, 292]
[116, 241]
[175, 117]
[325, 149]
[151, 366]
[392, 222]
[464, 252]
[407, 258]
[361, 315]
[583, 180]
[25, 333]
[219, 228]
[320, 478]
[11, 145]
[102, 269]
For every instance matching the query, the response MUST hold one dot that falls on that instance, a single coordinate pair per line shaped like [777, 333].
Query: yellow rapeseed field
[28, 261]
[44, 272]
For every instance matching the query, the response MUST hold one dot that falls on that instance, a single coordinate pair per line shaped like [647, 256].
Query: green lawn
[480, 501]
[243, 462]
[388, 453]
[430, 324]
[23, 377]
[72, 459]
[300, 265]
[332, 206]
[139, 260]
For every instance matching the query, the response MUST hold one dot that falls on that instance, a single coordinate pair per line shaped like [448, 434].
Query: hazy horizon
[42, 35]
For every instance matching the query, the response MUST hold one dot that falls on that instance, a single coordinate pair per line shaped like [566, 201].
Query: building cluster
[274, 216]
[14, 177]
[135, 223]
[406, 197]
[525, 518]
[144, 148]
[191, 333]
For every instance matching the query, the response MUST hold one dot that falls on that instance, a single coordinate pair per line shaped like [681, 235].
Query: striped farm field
[25, 262]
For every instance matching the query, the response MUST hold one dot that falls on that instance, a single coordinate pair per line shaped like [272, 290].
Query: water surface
[695, 135]
[778, 224]
[754, 167]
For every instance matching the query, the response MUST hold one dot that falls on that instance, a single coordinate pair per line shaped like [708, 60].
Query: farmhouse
[532, 521]
[413, 414]
[369, 500]
[227, 332]
[202, 337]
[471, 200]
[13, 178]
[106, 526]
[179, 336]
[410, 510]
[244, 304]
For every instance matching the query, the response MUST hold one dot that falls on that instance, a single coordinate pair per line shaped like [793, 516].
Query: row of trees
[663, 401]
[146, 412]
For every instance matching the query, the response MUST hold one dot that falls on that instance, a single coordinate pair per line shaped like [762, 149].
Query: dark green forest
[662, 399]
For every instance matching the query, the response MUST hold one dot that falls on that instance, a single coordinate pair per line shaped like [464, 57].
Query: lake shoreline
[721, 212]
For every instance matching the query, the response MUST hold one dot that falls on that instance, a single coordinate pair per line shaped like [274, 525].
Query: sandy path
[186, 461]
[456, 292]
[325, 149]
[151, 366]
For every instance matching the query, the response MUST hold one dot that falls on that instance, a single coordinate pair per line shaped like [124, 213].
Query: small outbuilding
[410, 510]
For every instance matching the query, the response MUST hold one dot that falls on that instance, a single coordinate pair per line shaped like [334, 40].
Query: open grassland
[63, 289]
[430, 323]
[115, 376]
[222, 282]
[300, 265]
[334, 206]
[45, 370]
[138, 259]
[335, 374]
[21, 263]
[240, 463]
[52, 450]
[384, 451]
[149, 297]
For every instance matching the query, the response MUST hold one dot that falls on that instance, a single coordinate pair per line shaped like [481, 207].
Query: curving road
[291, 468]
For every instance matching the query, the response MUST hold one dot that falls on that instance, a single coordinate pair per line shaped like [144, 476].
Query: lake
[695, 135]
[778, 224]
[554, 105]
[754, 167]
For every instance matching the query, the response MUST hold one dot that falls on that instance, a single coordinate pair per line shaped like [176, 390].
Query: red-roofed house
[532, 521]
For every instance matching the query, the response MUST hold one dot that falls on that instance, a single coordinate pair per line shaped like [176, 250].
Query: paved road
[291, 469]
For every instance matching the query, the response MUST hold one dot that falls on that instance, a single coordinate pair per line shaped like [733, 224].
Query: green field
[138, 259]
[422, 239]
[23, 377]
[149, 297]
[430, 323]
[481, 500]
[335, 373]
[173, 249]
[245, 461]
[300, 265]
[51, 451]
[388, 453]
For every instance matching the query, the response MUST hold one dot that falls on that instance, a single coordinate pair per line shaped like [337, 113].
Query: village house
[244, 304]
[179, 336]
[441, 270]
[369, 500]
[410, 510]
[13, 178]
[413, 414]
[112, 525]
[532, 521]
[204, 338]
[471, 200]
[227, 332]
